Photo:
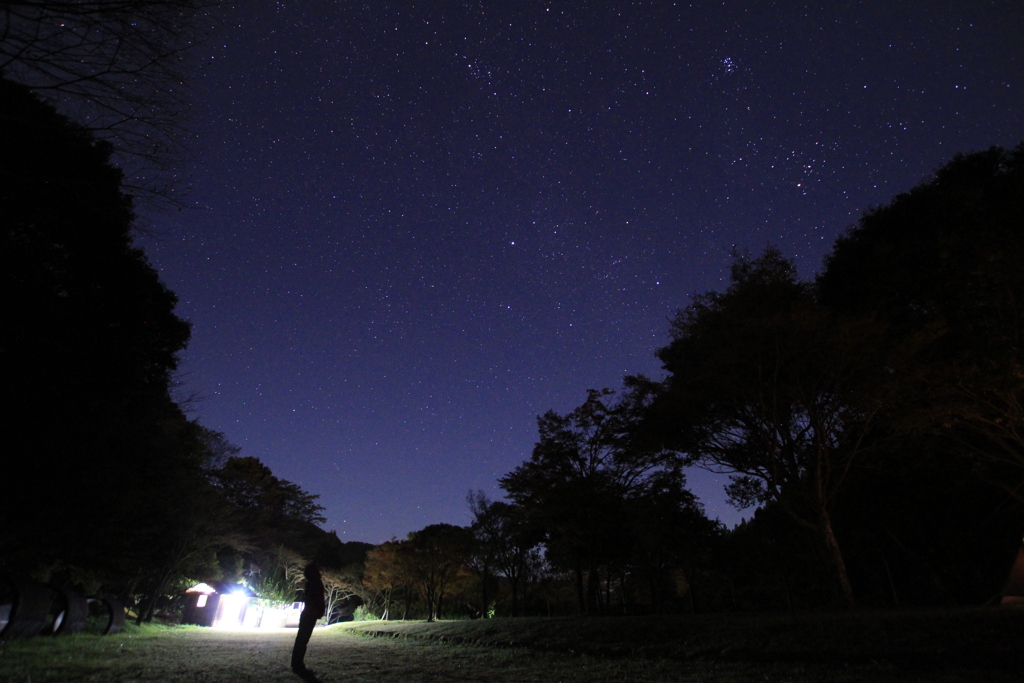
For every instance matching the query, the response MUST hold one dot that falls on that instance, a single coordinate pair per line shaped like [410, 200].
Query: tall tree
[671, 538]
[941, 265]
[766, 385]
[88, 344]
[385, 577]
[187, 521]
[584, 472]
[433, 557]
[506, 542]
[484, 546]
[517, 549]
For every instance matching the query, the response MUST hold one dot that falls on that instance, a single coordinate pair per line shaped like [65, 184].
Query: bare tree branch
[117, 67]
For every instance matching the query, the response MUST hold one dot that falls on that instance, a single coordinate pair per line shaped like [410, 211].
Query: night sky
[416, 226]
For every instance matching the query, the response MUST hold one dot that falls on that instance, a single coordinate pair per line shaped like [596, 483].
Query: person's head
[311, 570]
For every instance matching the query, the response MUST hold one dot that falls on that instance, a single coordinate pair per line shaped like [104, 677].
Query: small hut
[224, 606]
[232, 605]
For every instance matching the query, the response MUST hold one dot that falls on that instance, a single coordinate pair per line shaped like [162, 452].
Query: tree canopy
[89, 341]
[768, 386]
[590, 482]
[940, 265]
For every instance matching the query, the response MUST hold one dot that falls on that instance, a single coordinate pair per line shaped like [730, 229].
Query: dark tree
[432, 557]
[768, 386]
[506, 542]
[188, 521]
[920, 527]
[249, 485]
[767, 563]
[583, 480]
[941, 265]
[484, 547]
[671, 540]
[938, 519]
[277, 521]
[87, 347]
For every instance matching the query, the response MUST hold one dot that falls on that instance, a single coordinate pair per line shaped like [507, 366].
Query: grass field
[963, 645]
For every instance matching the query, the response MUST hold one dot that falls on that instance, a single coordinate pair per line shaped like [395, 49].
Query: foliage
[938, 518]
[767, 385]
[248, 484]
[483, 546]
[922, 528]
[365, 613]
[276, 575]
[767, 563]
[941, 265]
[113, 487]
[506, 541]
[87, 348]
[385, 578]
[590, 484]
[431, 559]
[343, 587]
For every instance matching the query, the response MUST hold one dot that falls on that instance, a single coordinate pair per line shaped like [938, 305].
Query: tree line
[870, 418]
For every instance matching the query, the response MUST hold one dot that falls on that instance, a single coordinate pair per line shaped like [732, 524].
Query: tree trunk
[147, 609]
[484, 596]
[593, 591]
[892, 585]
[836, 557]
[580, 592]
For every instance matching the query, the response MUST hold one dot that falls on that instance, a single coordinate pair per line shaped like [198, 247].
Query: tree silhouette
[941, 266]
[249, 485]
[506, 541]
[586, 480]
[768, 386]
[433, 557]
[87, 347]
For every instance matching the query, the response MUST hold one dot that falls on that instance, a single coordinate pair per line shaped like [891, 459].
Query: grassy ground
[976, 645]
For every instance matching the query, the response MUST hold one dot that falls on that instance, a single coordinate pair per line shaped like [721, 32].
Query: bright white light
[231, 611]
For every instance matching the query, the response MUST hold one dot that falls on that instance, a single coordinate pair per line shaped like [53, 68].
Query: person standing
[311, 611]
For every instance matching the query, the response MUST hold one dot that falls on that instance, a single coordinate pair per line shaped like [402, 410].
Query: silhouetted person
[313, 610]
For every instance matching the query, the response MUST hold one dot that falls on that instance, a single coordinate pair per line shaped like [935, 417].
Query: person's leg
[301, 640]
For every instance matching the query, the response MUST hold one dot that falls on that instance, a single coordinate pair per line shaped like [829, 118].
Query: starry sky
[415, 226]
